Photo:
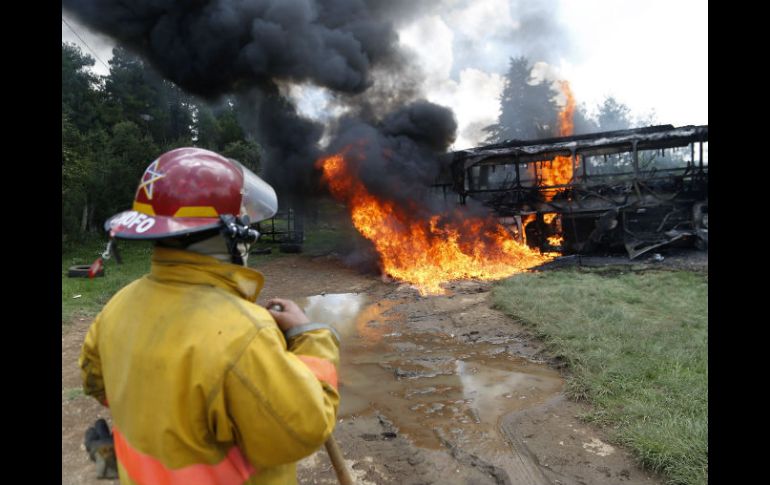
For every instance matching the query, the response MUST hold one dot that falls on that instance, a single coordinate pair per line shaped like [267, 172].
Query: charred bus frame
[636, 189]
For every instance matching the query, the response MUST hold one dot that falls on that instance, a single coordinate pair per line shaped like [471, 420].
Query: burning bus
[633, 190]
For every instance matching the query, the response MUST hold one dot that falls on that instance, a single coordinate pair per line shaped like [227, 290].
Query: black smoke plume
[250, 47]
[212, 47]
[396, 158]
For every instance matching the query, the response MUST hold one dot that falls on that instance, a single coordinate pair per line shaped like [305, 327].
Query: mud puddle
[434, 387]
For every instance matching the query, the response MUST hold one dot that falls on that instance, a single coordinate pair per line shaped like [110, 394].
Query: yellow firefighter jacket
[202, 385]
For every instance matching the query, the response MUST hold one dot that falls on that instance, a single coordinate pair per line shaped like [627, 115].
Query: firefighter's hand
[101, 449]
[289, 315]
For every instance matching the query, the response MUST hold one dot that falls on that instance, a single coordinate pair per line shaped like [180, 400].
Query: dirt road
[439, 389]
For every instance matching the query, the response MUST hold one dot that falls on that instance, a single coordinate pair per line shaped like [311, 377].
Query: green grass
[636, 344]
[73, 393]
[95, 292]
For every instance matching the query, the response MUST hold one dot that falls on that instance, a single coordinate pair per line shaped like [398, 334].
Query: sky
[651, 55]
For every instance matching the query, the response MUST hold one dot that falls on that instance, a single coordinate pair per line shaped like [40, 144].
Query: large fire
[430, 251]
[427, 252]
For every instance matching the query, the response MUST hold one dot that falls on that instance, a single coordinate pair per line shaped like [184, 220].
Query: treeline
[529, 110]
[113, 126]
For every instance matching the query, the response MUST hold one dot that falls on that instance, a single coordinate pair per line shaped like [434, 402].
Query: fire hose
[335, 455]
[332, 448]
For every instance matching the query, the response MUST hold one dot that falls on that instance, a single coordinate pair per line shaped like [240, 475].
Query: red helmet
[187, 190]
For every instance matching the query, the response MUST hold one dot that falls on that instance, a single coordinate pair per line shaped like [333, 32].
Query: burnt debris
[633, 190]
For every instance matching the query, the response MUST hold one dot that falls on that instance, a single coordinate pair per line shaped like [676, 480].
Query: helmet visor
[259, 201]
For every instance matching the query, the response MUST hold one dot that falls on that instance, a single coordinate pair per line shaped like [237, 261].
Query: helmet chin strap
[238, 236]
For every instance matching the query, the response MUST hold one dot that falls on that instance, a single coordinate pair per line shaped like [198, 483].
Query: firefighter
[204, 386]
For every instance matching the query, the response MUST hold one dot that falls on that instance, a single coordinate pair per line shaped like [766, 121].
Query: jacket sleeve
[91, 366]
[283, 401]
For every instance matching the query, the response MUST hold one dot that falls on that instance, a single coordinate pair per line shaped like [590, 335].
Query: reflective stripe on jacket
[202, 386]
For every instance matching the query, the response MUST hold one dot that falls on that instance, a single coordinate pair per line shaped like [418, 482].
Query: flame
[524, 223]
[559, 170]
[555, 240]
[567, 114]
[427, 252]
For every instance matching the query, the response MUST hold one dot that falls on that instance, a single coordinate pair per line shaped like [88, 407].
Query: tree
[80, 88]
[527, 111]
[74, 175]
[180, 107]
[82, 114]
[229, 128]
[582, 122]
[126, 156]
[613, 115]
[129, 95]
[218, 129]
[137, 93]
[246, 152]
[206, 128]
